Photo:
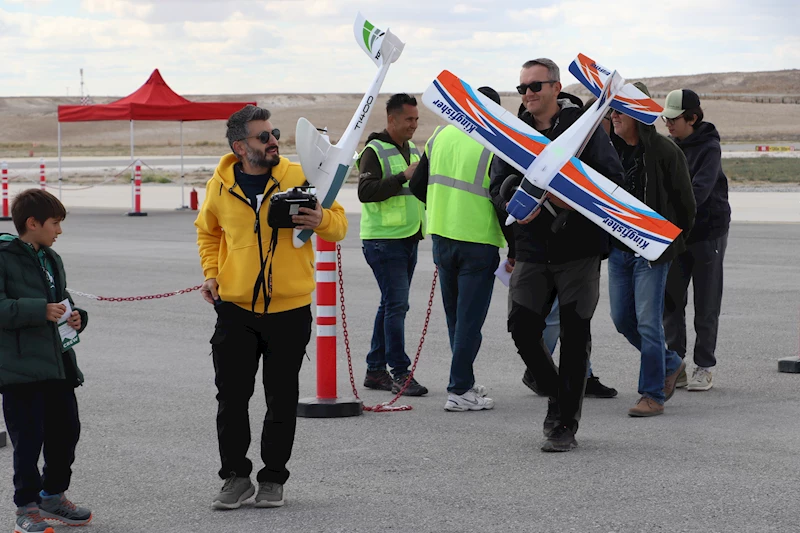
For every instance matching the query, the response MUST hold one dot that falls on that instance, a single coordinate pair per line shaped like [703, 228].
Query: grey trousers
[701, 263]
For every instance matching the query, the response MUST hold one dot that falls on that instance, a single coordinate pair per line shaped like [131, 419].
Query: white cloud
[246, 46]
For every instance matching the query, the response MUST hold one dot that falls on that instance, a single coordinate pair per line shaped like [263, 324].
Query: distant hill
[778, 86]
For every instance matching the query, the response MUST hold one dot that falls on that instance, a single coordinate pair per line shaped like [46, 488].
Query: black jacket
[30, 345]
[704, 155]
[667, 185]
[579, 238]
[371, 185]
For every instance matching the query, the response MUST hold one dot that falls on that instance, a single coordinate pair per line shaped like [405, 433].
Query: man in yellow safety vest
[392, 224]
[452, 178]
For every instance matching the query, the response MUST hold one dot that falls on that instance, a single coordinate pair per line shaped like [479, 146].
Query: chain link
[385, 406]
[133, 298]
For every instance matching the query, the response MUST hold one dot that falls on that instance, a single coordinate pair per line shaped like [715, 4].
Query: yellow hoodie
[228, 244]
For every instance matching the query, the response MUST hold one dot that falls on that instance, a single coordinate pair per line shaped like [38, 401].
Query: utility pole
[81, 83]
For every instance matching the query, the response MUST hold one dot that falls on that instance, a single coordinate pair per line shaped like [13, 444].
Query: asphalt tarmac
[725, 460]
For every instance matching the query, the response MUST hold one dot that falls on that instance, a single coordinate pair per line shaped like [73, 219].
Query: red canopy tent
[152, 101]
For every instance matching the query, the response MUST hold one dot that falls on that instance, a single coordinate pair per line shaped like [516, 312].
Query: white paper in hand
[69, 337]
[502, 274]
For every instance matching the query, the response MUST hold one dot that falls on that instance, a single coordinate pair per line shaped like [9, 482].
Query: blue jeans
[636, 290]
[466, 274]
[552, 331]
[392, 261]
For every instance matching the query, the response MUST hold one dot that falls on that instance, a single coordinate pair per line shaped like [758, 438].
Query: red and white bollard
[42, 175]
[137, 192]
[326, 404]
[6, 215]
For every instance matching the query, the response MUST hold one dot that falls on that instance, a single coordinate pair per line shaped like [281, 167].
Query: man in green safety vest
[392, 224]
[452, 178]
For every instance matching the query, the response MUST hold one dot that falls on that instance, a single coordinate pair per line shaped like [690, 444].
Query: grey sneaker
[683, 380]
[30, 521]
[234, 491]
[58, 507]
[269, 494]
[701, 380]
[480, 390]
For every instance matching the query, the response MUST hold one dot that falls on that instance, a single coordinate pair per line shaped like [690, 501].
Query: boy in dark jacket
[656, 174]
[701, 263]
[38, 369]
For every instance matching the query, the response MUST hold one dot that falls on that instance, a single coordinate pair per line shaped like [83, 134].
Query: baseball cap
[679, 101]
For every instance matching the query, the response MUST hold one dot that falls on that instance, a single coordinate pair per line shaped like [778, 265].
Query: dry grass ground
[28, 121]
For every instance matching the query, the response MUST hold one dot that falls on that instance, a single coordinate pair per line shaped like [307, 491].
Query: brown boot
[646, 407]
[671, 380]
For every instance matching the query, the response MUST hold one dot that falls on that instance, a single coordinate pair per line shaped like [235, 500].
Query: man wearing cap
[452, 178]
[656, 174]
[392, 224]
[563, 263]
[701, 263]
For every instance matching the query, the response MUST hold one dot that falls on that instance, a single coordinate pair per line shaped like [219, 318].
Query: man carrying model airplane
[565, 262]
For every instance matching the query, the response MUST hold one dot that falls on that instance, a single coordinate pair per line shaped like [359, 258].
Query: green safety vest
[459, 205]
[401, 215]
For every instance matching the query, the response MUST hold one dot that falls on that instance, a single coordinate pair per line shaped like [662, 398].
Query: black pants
[532, 291]
[41, 416]
[240, 338]
[701, 263]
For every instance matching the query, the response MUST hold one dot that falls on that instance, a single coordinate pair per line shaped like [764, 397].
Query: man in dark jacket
[705, 245]
[565, 263]
[38, 369]
[656, 174]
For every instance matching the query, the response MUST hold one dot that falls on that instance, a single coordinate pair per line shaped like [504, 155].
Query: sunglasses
[534, 86]
[264, 136]
[671, 121]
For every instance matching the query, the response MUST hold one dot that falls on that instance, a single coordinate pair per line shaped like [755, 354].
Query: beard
[261, 160]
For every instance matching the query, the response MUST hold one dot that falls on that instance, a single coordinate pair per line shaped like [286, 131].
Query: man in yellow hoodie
[260, 286]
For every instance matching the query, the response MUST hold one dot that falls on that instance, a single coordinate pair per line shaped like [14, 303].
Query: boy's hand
[74, 320]
[209, 290]
[55, 312]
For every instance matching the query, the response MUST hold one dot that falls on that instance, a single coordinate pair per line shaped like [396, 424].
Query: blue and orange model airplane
[552, 166]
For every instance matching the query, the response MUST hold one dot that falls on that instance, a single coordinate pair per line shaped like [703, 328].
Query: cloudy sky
[274, 46]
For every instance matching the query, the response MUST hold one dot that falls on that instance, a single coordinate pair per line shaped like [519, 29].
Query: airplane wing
[629, 100]
[586, 190]
[492, 125]
[614, 209]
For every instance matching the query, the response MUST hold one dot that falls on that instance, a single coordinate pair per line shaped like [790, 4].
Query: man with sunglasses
[260, 288]
[550, 262]
[656, 174]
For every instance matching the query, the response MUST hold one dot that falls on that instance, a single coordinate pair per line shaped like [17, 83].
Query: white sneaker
[701, 380]
[480, 390]
[469, 401]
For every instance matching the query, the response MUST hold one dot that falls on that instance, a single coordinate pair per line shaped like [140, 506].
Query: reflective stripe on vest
[459, 203]
[397, 217]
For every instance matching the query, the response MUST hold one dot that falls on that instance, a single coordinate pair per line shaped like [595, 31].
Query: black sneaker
[413, 389]
[552, 418]
[595, 389]
[527, 379]
[378, 380]
[561, 439]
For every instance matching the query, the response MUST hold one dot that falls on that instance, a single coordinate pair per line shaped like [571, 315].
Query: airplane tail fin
[381, 46]
[312, 145]
[628, 100]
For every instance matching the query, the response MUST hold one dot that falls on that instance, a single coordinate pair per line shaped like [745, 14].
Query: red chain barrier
[385, 406]
[134, 298]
